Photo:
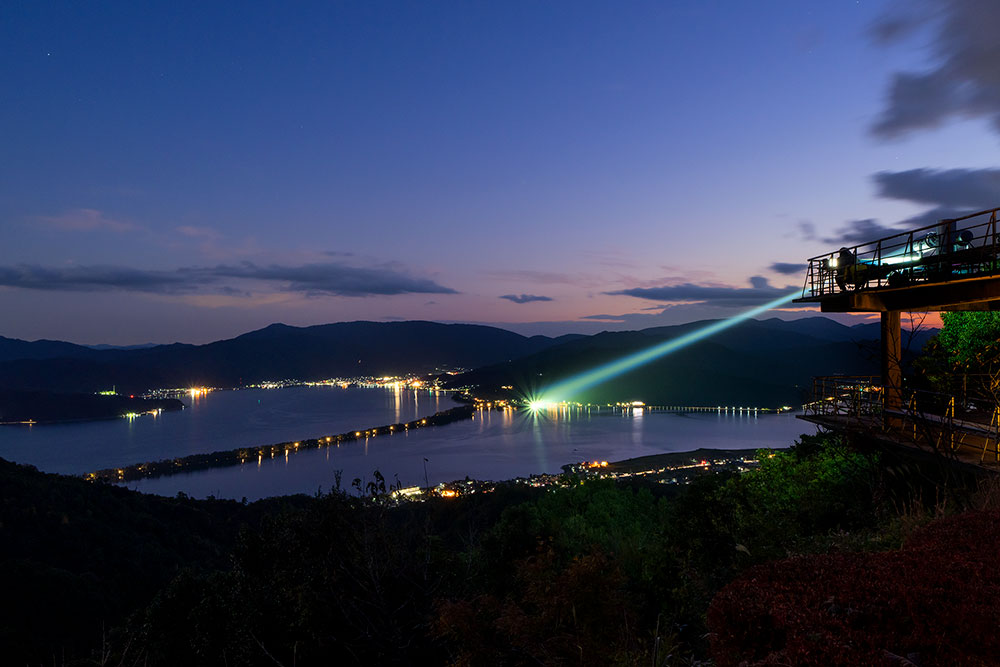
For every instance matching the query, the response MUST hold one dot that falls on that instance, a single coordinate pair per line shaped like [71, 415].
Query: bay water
[494, 445]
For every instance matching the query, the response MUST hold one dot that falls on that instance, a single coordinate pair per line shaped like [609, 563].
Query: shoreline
[239, 455]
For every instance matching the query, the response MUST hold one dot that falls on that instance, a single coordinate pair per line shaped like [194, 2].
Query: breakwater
[259, 453]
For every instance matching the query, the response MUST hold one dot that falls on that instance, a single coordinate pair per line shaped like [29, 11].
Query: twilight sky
[186, 171]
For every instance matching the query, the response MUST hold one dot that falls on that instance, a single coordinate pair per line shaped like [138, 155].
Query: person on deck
[845, 266]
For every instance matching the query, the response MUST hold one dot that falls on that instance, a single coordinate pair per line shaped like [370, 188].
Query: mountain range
[765, 362]
[279, 351]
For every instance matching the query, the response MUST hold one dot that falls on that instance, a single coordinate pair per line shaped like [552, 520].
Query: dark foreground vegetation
[828, 553]
[594, 573]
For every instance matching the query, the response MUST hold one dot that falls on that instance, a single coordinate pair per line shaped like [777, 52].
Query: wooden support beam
[981, 293]
[892, 374]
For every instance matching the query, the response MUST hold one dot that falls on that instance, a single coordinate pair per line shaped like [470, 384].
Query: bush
[933, 602]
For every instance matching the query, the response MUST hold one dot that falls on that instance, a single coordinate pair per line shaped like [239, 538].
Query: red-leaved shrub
[933, 602]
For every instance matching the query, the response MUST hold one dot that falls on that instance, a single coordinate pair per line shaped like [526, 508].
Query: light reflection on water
[218, 420]
[493, 445]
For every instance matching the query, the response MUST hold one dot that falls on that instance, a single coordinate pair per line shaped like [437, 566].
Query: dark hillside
[277, 352]
[76, 558]
[12, 348]
[756, 363]
[46, 406]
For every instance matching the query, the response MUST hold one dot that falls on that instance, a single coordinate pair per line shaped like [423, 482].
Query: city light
[571, 387]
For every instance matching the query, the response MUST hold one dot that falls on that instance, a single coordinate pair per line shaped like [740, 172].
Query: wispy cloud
[334, 279]
[86, 220]
[584, 280]
[205, 233]
[963, 80]
[310, 279]
[854, 232]
[525, 298]
[788, 269]
[96, 278]
[944, 188]
[760, 291]
[950, 193]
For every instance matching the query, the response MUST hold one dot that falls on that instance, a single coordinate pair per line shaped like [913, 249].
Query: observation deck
[960, 426]
[953, 265]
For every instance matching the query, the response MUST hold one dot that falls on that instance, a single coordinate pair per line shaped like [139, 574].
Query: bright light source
[571, 387]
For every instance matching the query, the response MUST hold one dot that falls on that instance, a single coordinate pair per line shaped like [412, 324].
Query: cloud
[894, 27]
[682, 314]
[334, 279]
[963, 80]
[309, 279]
[525, 298]
[760, 291]
[955, 188]
[94, 278]
[855, 232]
[788, 269]
[807, 229]
[608, 257]
[206, 233]
[86, 220]
[951, 193]
[548, 278]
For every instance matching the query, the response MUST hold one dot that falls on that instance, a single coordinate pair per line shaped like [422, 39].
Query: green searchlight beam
[570, 387]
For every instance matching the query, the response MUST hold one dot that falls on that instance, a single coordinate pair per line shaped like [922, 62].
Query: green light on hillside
[569, 388]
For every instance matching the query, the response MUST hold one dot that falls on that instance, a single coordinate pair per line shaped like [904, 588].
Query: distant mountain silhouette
[12, 348]
[278, 351]
[141, 346]
[763, 363]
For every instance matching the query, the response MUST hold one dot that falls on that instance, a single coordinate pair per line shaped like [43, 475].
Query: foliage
[931, 603]
[968, 336]
[577, 613]
[597, 572]
[816, 487]
[77, 558]
[667, 554]
[340, 580]
[963, 360]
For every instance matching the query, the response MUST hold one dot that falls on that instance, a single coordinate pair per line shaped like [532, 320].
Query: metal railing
[847, 395]
[947, 250]
[934, 420]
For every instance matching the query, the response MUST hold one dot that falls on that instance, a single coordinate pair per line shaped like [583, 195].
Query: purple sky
[173, 171]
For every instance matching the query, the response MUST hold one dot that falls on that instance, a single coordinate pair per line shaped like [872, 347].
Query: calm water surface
[493, 445]
[216, 421]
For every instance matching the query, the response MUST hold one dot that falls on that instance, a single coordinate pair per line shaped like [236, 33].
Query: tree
[963, 360]
[968, 336]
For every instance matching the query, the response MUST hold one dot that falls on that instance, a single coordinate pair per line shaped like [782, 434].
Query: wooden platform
[977, 293]
[960, 441]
